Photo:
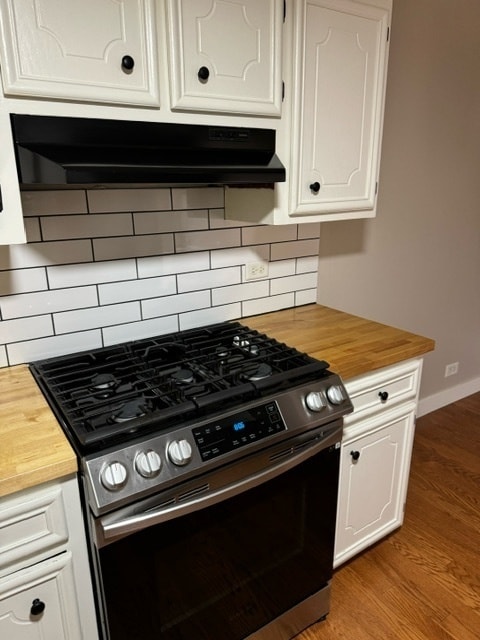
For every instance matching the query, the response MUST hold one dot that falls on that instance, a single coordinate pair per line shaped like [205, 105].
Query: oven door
[238, 562]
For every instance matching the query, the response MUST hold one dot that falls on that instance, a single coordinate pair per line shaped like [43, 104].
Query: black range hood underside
[54, 151]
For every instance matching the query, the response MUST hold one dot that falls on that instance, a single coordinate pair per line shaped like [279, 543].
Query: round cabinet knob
[114, 476]
[180, 452]
[383, 395]
[203, 74]
[355, 455]
[148, 463]
[314, 401]
[335, 394]
[37, 607]
[128, 63]
[315, 187]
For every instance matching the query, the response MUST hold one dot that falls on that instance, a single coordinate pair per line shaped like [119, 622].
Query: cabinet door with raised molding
[340, 68]
[93, 50]
[374, 470]
[226, 56]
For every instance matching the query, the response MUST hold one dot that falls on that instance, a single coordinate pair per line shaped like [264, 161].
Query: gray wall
[417, 265]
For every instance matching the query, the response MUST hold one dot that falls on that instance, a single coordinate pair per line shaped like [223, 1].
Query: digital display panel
[243, 428]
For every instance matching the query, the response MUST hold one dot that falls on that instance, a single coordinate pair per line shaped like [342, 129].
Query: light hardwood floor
[423, 581]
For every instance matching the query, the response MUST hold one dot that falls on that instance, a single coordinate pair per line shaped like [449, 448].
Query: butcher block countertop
[33, 448]
[351, 345]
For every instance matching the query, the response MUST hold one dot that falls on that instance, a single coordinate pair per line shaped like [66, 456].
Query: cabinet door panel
[237, 44]
[339, 105]
[74, 50]
[51, 582]
[374, 472]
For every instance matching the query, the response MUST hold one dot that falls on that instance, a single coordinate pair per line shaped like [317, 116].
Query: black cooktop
[112, 394]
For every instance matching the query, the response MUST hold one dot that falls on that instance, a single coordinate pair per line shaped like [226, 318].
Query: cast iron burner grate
[112, 394]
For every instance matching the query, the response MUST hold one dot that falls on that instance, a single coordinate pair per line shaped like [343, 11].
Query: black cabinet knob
[315, 187]
[355, 455]
[383, 395]
[203, 74]
[128, 63]
[37, 608]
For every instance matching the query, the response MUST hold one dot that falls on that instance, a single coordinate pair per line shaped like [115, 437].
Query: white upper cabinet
[337, 111]
[92, 50]
[226, 56]
[335, 68]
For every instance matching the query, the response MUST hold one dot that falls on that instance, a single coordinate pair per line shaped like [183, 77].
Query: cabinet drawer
[383, 389]
[32, 525]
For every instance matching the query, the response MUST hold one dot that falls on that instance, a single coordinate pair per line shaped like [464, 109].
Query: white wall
[417, 265]
[105, 266]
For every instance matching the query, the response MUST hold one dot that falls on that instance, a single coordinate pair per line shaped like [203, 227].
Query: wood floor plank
[423, 581]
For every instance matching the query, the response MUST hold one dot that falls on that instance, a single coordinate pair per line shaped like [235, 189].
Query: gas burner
[103, 385]
[259, 372]
[183, 376]
[135, 408]
[246, 345]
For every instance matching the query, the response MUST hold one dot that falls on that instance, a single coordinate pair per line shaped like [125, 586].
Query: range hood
[54, 151]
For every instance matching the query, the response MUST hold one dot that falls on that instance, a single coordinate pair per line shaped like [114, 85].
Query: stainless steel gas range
[209, 470]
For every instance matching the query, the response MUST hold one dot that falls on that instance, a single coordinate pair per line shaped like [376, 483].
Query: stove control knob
[148, 463]
[336, 394]
[314, 401]
[114, 476]
[179, 452]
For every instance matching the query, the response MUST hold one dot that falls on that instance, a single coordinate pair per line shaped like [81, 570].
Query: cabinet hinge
[1, 203]
[284, 10]
[283, 91]
[376, 187]
[388, 32]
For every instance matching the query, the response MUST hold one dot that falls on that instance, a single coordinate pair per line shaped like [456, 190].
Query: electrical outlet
[256, 270]
[451, 369]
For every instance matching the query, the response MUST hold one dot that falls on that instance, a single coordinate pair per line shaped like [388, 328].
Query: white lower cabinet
[375, 457]
[45, 587]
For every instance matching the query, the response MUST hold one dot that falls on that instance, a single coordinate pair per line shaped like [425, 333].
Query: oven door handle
[112, 527]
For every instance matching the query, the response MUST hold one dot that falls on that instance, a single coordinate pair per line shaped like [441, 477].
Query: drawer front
[384, 389]
[32, 527]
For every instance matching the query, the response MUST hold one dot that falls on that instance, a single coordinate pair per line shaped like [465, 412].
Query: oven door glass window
[229, 569]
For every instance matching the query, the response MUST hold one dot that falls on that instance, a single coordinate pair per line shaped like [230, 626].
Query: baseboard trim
[442, 398]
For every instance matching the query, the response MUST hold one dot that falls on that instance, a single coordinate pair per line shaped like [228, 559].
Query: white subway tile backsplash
[22, 281]
[208, 279]
[91, 273]
[293, 283]
[203, 240]
[40, 203]
[308, 296]
[266, 305]
[34, 304]
[112, 200]
[296, 249]
[38, 254]
[132, 247]
[240, 256]
[178, 263]
[176, 304]
[199, 198]
[139, 330]
[170, 221]
[309, 230]
[268, 233]
[137, 289]
[25, 329]
[31, 350]
[304, 265]
[105, 266]
[210, 316]
[97, 317]
[92, 226]
[247, 291]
